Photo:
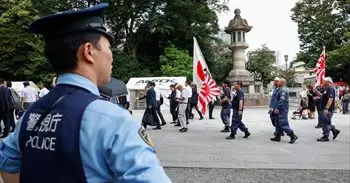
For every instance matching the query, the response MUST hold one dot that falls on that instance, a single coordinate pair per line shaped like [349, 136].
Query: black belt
[182, 103]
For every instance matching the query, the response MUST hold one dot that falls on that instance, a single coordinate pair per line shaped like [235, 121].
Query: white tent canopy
[136, 85]
[18, 85]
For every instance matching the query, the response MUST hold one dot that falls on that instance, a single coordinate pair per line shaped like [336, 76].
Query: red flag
[320, 68]
[202, 78]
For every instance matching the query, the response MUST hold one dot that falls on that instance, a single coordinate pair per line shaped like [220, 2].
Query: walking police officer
[225, 101]
[281, 110]
[237, 112]
[327, 111]
[273, 103]
[70, 135]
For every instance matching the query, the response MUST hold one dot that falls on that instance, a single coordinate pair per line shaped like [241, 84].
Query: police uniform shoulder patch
[146, 137]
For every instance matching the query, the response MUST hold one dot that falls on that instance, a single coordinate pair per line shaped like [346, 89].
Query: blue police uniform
[282, 99]
[272, 105]
[71, 135]
[236, 118]
[226, 108]
[326, 120]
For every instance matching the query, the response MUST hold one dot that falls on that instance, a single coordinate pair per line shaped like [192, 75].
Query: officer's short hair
[172, 86]
[2, 80]
[62, 52]
[282, 80]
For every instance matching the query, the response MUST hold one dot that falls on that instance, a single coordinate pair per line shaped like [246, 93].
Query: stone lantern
[238, 28]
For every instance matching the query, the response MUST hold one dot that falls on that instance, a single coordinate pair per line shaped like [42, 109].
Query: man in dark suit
[5, 105]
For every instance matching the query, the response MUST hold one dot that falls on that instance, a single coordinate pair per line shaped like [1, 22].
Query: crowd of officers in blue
[72, 135]
[278, 110]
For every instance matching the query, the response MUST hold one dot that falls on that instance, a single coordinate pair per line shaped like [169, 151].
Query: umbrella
[114, 88]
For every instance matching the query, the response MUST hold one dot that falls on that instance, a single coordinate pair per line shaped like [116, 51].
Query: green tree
[288, 75]
[320, 23]
[338, 62]
[176, 62]
[126, 66]
[20, 54]
[261, 63]
[223, 62]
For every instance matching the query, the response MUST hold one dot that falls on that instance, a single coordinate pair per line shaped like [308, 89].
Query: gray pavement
[206, 147]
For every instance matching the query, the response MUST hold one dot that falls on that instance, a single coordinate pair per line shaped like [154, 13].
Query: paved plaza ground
[204, 152]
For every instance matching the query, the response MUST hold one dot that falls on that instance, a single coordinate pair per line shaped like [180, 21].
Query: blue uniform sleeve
[120, 149]
[331, 92]
[240, 95]
[10, 156]
[281, 99]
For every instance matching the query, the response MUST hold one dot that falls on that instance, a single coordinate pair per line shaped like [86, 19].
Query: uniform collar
[78, 80]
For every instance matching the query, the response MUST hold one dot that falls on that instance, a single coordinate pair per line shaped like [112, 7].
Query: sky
[271, 23]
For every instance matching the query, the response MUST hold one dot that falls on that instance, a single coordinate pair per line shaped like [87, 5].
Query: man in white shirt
[183, 101]
[158, 95]
[28, 95]
[43, 91]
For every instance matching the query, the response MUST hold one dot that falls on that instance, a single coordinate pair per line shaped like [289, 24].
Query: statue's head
[237, 12]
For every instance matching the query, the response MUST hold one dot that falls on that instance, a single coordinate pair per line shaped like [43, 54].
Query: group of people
[182, 99]
[310, 102]
[13, 103]
[323, 97]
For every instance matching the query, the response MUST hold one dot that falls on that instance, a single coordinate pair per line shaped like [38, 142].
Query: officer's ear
[87, 51]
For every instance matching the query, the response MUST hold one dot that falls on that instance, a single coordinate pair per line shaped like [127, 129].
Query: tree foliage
[261, 63]
[223, 61]
[142, 28]
[321, 23]
[176, 62]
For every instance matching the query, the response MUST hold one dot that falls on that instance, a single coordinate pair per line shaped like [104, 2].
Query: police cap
[72, 21]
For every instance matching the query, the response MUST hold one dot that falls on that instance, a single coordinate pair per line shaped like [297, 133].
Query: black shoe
[211, 118]
[318, 126]
[144, 125]
[183, 130]
[276, 139]
[178, 124]
[247, 134]
[232, 136]
[201, 118]
[187, 123]
[157, 128]
[323, 139]
[293, 138]
[164, 123]
[226, 129]
[173, 122]
[335, 133]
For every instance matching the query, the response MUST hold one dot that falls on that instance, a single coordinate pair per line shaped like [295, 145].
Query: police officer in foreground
[70, 135]
[281, 110]
[327, 110]
[237, 112]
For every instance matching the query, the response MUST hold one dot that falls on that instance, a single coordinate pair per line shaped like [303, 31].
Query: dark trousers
[237, 122]
[154, 114]
[327, 123]
[4, 117]
[188, 110]
[345, 106]
[12, 119]
[225, 116]
[173, 111]
[211, 109]
[282, 124]
[159, 112]
[273, 118]
[199, 112]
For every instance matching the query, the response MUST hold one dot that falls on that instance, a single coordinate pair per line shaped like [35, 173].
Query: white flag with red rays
[320, 68]
[202, 78]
